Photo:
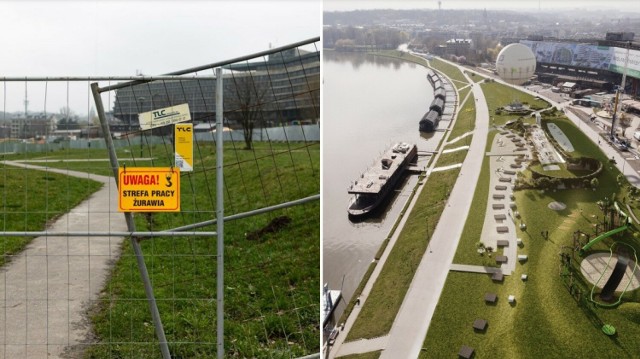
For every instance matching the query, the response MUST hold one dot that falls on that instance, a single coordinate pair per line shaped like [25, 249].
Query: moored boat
[378, 181]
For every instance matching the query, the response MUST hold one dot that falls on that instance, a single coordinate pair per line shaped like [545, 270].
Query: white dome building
[516, 64]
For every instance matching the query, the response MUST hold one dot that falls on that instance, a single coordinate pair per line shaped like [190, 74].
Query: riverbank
[371, 102]
[381, 305]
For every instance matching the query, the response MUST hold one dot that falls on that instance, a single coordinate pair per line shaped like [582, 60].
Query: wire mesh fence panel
[71, 279]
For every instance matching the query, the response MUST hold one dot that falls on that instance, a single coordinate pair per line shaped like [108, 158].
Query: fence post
[220, 212]
[113, 159]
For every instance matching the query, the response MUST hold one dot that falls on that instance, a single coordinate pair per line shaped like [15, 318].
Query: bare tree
[66, 112]
[309, 100]
[68, 119]
[246, 103]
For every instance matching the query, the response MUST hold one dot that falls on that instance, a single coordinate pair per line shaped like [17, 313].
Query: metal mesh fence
[71, 282]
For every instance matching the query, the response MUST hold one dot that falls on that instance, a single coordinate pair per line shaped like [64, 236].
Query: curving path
[46, 290]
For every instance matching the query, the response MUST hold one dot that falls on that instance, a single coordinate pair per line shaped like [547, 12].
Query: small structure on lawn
[497, 276]
[490, 298]
[465, 352]
[480, 324]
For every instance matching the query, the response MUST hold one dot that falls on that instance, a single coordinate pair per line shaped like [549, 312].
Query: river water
[369, 102]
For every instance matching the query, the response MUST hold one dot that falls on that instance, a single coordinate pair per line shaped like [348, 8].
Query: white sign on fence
[164, 116]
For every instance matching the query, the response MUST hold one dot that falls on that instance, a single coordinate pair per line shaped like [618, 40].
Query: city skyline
[113, 38]
[351, 5]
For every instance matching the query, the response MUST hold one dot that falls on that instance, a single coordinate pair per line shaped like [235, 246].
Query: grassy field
[270, 310]
[465, 122]
[32, 199]
[562, 172]
[499, 95]
[463, 93]
[546, 321]
[453, 72]
[369, 355]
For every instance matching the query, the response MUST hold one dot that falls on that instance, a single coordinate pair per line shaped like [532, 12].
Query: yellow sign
[164, 116]
[184, 147]
[149, 189]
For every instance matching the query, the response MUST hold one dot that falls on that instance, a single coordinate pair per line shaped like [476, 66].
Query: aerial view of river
[369, 103]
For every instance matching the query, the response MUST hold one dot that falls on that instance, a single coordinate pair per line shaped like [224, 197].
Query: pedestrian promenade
[412, 322]
[46, 289]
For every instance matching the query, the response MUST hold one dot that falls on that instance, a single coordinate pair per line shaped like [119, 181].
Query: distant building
[477, 40]
[590, 63]
[459, 47]
[619, 36]
[286, 77]
[508, 41]
[33, 125]
[5, 131]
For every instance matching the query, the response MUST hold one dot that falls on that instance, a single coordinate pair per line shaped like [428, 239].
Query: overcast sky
[99, 38]
[337, 5]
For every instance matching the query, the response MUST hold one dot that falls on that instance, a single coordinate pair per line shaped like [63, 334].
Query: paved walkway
[449, 150]
[473, 269]
[446, 168]
[46, 290]
[460, 137]
[502, 156]
[412, 322]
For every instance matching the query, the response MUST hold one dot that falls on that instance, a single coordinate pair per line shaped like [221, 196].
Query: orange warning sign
[149, 189]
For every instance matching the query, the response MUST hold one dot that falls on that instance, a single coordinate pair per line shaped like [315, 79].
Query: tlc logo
[183, 129]
[158, 113]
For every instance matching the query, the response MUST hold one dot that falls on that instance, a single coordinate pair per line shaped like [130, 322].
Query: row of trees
[373, 37]
[250, 100]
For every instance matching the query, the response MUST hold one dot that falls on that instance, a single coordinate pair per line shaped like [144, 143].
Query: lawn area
[380, 309]
[476, 78]
[31, 199]
[583, 146]
[270, 310]
[452, 158]
[546, 320]
[369, 355]
[453, 72]
[563, 172]
[499, 95]
[463, 93]
[465, 122]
